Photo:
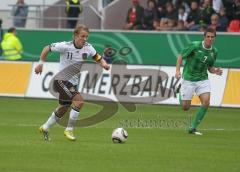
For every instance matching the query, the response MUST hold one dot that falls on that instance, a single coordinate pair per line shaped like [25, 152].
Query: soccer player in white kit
[70, 53]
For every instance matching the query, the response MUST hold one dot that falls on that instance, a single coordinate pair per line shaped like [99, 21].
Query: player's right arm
[43, 56]
[185, 53]
[178, 65]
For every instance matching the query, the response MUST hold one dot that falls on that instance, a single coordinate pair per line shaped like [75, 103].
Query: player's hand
[218, 71]
[38, 69]
[178, 75]
[106, 66]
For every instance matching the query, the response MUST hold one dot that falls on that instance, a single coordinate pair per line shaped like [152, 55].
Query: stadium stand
[96, 14]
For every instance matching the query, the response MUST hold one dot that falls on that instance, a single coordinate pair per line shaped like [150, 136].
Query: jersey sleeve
[188, 50]
[58, 47]
[93, 53]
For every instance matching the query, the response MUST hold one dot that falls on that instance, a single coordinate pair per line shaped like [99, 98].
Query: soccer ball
[119, 135]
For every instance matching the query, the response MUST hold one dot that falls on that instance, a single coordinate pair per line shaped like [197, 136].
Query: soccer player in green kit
[199, 57]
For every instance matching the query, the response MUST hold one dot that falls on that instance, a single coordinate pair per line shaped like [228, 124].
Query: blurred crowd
[184, 15]
[160, 15]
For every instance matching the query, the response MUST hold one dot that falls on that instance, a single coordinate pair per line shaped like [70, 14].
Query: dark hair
[153, 1]
[11, 29]
[181, 7]
[211, 30]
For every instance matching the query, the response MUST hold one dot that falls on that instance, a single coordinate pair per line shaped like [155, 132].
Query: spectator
[19, 13]
[202, 28]
[229, 5]
[180, 26]
[182, 14]
[73, 9]
[149, 15]
[193, 17]
[170, 20]
[134, 16]
[236, 14]
[161, 8]
[234, 25]
[215, 23]
[206, 13]
[217, 5]
[182, 3]
[223, 20]
[11, 45]
[182, 18]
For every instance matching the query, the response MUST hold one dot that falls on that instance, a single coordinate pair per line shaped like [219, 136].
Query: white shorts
[188, 88]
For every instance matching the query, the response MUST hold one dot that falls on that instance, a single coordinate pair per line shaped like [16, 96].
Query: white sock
[72, 118]
[51, 120]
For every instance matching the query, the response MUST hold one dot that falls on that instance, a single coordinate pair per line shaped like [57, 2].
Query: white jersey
[69, 55]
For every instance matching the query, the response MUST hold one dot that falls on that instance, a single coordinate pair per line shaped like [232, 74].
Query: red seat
[234, 26]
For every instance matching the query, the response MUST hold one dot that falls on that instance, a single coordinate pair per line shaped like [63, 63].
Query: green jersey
[197, 61]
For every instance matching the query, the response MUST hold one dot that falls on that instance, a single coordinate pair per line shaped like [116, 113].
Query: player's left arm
[98, 58]
[215, 70]
[211, 68]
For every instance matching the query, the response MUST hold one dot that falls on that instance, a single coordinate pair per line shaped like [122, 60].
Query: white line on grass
[206, 129]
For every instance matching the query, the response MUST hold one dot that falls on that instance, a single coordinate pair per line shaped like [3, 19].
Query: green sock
[199, 117]
[180, 98]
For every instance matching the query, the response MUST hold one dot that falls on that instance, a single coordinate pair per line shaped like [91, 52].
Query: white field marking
[205, 129]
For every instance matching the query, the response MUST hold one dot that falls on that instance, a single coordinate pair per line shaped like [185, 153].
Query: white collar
[205, 47]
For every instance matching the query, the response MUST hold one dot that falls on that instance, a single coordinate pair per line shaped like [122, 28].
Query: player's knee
[78, 104]
[185, 108]
[78, 101]
[206, 104]
[61, 110]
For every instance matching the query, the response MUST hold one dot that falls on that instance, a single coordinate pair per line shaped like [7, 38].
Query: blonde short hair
[79, 28]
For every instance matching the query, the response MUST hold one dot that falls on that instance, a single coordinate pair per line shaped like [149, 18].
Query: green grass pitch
[158, 141]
